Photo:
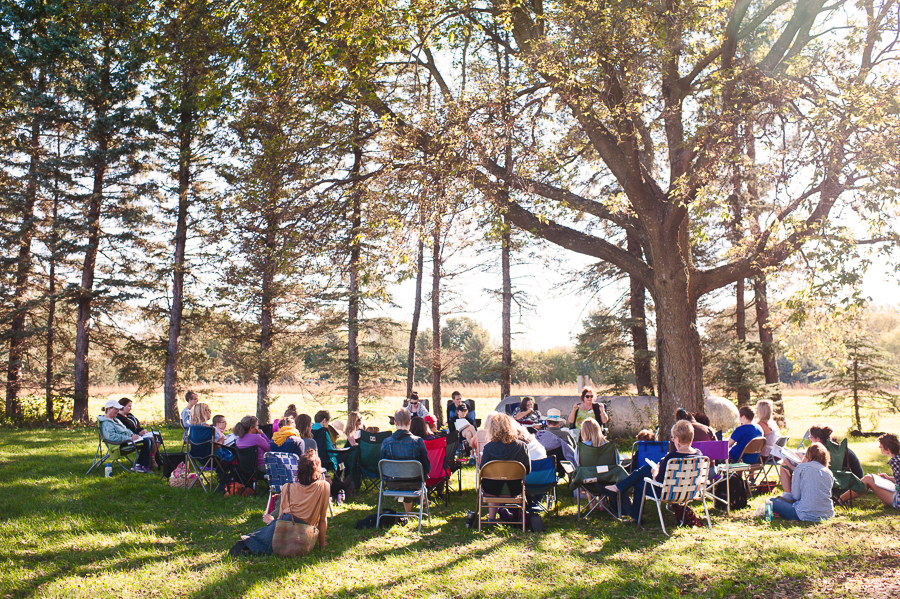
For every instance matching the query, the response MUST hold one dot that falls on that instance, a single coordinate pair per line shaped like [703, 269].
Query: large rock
[723, 414]
[627, 414]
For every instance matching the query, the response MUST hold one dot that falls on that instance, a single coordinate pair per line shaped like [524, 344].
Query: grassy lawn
[64, 534]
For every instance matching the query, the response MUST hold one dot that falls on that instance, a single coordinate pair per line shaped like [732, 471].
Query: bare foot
[612, 488]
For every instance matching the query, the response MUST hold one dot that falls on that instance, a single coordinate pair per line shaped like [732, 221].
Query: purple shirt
[258, 440]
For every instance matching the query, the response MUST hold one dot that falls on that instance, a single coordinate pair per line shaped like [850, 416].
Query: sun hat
[554, 414]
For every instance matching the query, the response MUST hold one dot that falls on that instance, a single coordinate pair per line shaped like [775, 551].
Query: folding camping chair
[402, 471]
[438, 481]
[684, 482]
[770, 463]
[246, 467]
[369, 455]
[114, 452]
[641, 451]
[507, 471]
[452, 461]
[201, 456]
[597, 467]
[843, 479]
[540, 485]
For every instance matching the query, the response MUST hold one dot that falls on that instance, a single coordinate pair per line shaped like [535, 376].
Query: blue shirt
[741, 436]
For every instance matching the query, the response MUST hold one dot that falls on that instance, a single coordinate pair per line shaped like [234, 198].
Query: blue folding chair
[201, 456]
[540, 484]
[281, 469]
[641, 451]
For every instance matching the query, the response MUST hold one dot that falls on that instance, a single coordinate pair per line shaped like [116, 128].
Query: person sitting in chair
[305, 500]
[557, 442]
[587, 409]
[115, 432]
[464, 424]
[403, 445]
[287, 438]
[683, 435]
[191, 398]
[414, 406]
[526, 414]
[249, 435]
[134, 425]
[743, 434]
[453, 409]
[506, 445]
[323, 440]
[889, 445]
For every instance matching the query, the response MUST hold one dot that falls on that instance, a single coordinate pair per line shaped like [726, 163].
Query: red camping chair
[438, 480]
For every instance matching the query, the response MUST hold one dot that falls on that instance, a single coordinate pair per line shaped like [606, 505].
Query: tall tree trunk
[506, 351]
[264, 374]
[417, 312]
[767, 348]
[856, 394]
[643, 373]
[679, 363]
[17, 333]
[353, 303]
[51, 308]
[436, 408]
[743, 394]
[185, 158]
[85, 292]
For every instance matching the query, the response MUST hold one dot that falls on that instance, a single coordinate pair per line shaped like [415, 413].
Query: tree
[191, 88]
[861, 379]
[647, 98]
[111, 57]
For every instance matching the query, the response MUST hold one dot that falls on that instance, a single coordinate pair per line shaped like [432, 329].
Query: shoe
[240, 548]
[140, 469]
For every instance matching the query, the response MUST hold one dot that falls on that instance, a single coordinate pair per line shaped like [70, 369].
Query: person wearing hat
[114, 431]
[431, 423]
[454, 405]
[557, 442]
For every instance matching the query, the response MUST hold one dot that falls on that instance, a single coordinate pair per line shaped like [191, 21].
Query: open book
[883, 483]
[787, 454]
[651, 463]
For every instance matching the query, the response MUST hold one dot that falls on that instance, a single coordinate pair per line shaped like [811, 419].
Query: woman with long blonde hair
[505, 445]
[770, 429]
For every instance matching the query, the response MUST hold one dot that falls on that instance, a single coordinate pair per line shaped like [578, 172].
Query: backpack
[739, 489]
[388, 518]
[686, 516]
[534, 523]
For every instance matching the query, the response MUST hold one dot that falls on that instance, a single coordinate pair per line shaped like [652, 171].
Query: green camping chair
[843, 479]
[597, 467]
[369, 455]
[113, 452]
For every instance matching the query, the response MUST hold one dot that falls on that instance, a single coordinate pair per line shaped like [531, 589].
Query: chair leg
[659, 510]
[706, 511]
[479, 509]
[378, 511]
[421, 507]
[641, 510]
[523, 511]
[578, 491]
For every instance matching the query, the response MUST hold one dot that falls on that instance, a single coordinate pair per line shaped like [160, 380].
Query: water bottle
[108, 470]
[768, 510]
[341, 496]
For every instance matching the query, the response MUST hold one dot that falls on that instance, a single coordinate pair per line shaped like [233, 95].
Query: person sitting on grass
[249, 435]
[306, 500]
[809, 499]
[504, 444]
[403, 445]
[820, 433]
[889, 444]
[683, 435]
[116, 433]
[743, 434]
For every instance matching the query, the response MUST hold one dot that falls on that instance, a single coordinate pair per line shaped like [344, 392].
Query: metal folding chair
[402, 471]
[501, 470]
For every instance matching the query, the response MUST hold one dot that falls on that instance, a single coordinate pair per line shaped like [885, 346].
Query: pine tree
[860, 379]
[111, 58]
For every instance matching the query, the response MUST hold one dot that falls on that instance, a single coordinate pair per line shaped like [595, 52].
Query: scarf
[283, 433]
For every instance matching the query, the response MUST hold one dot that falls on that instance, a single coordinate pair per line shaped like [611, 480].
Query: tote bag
[293, 537]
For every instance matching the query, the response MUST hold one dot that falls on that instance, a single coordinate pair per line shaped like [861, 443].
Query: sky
[558, 305]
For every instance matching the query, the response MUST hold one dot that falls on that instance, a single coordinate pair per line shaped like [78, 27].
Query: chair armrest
[568, 467]
[652, 482]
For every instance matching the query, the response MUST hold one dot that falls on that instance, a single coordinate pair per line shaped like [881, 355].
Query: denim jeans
[634, 480]
[785, 509]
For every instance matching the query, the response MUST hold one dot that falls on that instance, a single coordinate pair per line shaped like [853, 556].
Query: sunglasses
[413, 403]
[588, 397]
